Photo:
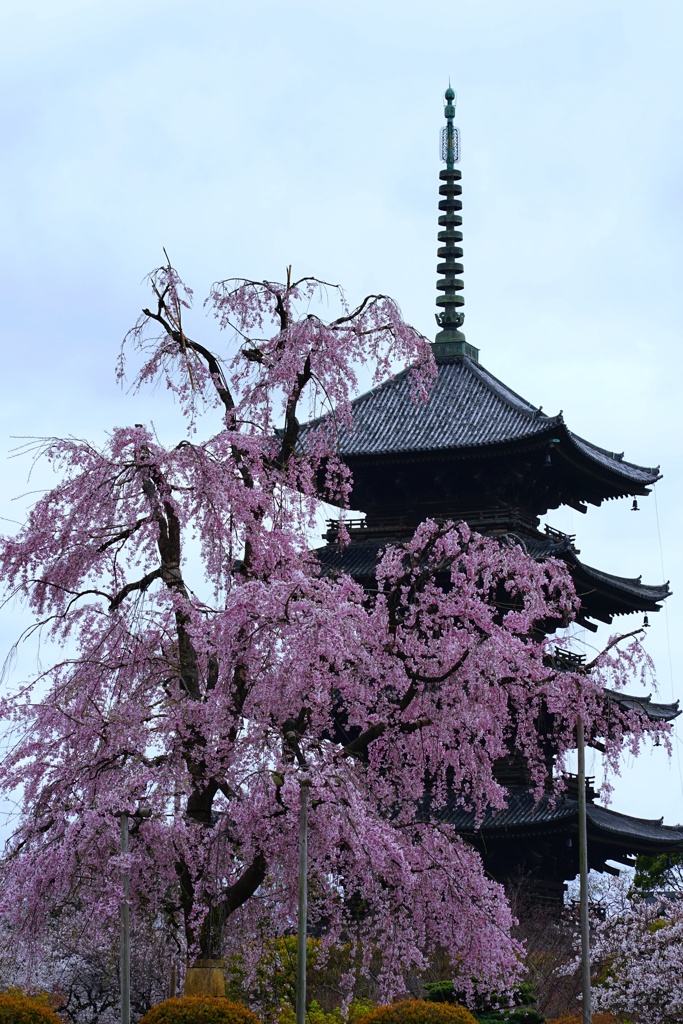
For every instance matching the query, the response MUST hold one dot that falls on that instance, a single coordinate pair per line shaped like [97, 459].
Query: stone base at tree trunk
[205, 978]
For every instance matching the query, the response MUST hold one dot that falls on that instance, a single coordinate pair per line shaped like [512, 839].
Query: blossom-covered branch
[210, 662]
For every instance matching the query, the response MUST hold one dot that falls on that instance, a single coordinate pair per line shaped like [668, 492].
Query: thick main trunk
[209, 940]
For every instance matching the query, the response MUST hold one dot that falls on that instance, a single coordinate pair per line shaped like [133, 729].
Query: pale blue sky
[245, 138]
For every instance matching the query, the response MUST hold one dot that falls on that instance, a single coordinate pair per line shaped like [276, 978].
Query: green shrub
[18, 1008]
[526, 1015]
[199, 1010]
[440, 991]
[516, 1015]
[417, 1011]
[488, 1008]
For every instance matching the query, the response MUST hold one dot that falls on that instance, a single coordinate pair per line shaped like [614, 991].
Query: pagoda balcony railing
[572, 783]
[504, 518]
[360, 528]
[554, 534]
[567, 661]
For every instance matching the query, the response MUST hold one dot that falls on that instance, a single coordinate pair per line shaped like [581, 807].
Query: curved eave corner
[628, 478]
[654, 711]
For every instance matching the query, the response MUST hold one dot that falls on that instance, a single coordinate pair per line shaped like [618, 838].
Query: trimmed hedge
[199, 1010]
[513, 1015]
[416, 1011]
[18, 1008]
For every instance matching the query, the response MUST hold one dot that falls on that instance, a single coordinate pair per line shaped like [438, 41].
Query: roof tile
[467, 408]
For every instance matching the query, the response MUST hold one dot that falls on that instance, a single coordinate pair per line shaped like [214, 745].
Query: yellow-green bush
[275, 982]
[199, 1010]
[18, 1008]
[415, 1011]
[273, 989]
[358, 1011]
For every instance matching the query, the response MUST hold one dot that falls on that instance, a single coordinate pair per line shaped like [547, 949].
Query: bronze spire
[450, 341]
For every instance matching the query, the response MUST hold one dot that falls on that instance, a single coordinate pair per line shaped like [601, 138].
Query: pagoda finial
[450, 341]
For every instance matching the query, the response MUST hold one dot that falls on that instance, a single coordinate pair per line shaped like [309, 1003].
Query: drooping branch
[614, 642]
[341, 320]
[185, 343]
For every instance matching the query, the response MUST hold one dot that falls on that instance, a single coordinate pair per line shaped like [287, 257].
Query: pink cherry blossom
[207, 665]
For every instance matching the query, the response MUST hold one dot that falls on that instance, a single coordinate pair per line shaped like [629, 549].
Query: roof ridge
[657, 822]
[394, 379]
[647, 698]
[506, 393]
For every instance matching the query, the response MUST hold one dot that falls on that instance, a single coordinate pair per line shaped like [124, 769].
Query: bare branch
[123, 535]
[129, 588]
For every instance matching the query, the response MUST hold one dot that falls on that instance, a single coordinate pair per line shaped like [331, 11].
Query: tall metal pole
[583, 878]
[302, 918]
[125, 927]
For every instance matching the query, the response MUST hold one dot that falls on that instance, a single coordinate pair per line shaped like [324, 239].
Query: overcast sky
[245, 137]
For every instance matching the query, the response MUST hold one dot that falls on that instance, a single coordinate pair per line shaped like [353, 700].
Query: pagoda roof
[470, 412]
[524, 815]
[655, 712]
[602, 594]
[633, 594]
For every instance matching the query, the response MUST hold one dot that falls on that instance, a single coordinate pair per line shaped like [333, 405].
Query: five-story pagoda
[476, 451]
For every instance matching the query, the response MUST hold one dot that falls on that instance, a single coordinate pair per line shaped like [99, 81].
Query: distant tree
[79, 969]
[660, 872]
[638, 956]
[204, 665]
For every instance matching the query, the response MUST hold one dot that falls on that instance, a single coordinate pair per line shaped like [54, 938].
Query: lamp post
[583, 877]
[125, 926]
[302, 916]
[125, 915]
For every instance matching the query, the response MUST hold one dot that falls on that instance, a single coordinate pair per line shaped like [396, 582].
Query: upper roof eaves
[524, 812]
[615, 461]
[467, 408]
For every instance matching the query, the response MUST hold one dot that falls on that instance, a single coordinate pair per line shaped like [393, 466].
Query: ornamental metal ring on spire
[450, 135]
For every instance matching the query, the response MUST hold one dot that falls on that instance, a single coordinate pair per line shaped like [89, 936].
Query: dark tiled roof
[631, 586]
[540, 546]
[587, 578]
[468, 408]
[521, 812]
[615, 461]
[360, 557]
[656, 712]
[524, 815]
[640, 829]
